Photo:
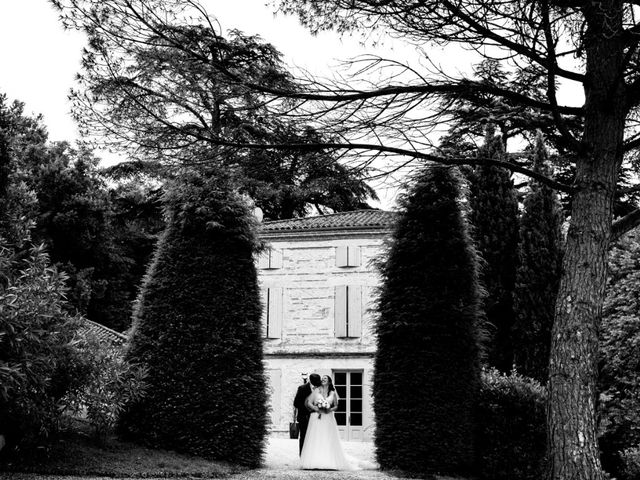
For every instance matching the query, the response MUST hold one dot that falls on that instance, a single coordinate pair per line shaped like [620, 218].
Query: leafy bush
[619, 379]
[631, 464]
[197, 328]
[110, 382]
[426, 363]
[511, 436]
[35, 336]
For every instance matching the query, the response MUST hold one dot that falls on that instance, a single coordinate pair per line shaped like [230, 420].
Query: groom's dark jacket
[301, 395]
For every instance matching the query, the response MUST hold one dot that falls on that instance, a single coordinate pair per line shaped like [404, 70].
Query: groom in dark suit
[303, 392]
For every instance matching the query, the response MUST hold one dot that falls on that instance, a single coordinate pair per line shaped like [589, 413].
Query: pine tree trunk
[574, 347]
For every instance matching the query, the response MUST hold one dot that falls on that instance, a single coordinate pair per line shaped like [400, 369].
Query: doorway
[348, 385]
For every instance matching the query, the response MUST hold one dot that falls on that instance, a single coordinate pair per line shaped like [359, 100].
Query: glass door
[348, 385]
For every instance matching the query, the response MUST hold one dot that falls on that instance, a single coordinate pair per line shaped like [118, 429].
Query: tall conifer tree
[538, 274]
[426, 364]
[494, 216]
[197, 328]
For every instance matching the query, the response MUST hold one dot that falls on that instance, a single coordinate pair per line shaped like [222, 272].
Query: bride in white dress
[322, 448]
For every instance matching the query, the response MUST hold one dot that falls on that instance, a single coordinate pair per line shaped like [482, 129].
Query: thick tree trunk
[574, 349]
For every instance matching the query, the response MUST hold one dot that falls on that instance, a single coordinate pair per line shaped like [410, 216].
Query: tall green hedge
[538, 274]
[197, 330]
[494, 216]
[426, 365]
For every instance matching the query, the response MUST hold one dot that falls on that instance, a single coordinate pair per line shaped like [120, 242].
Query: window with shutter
[270, 259]
[348, 256]
[263, 259]
[272, 313]
[348, 311]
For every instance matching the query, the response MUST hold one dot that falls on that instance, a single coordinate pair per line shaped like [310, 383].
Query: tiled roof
[104, 334]
[356, 219]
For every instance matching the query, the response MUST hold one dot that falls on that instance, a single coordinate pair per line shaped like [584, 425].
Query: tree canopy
[154, 85]
[593, 46]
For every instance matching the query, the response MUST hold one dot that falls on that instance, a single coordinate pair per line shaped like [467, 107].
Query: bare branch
[513, 167]
[624, 224]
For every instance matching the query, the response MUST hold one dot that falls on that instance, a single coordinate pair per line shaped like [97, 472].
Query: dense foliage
[619, 380]
[197, 330]
[427, 373]
[494, 216]
[109, 383]
[100, 232]
[511, 441]
[35, 326]
[538, 274]
[35, 345]
[152, 87]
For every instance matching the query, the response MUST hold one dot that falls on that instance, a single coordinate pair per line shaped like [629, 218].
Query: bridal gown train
[322, 448]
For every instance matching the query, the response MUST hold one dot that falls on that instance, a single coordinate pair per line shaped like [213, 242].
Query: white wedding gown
[322, 449]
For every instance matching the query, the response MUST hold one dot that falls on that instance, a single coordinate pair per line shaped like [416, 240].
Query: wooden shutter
[263, 259]
[354, 311]
[354, 256]
[264, 300]
[340, 311]
[276, 258]
[274, 389]
[348, 256]
[274, 313]
[342, 256]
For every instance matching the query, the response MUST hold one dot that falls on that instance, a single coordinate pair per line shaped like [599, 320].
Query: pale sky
[39, 59]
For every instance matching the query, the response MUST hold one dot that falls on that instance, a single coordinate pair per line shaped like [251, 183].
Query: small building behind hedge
[318, 284]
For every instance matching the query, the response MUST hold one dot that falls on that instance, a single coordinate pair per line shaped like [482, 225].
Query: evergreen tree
[197, 328]
[426, 364]
[538, 273]
[494, 216]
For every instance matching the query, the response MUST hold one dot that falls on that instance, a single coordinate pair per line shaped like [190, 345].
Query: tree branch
[551, 81]
[513, 167]
[514, 46]
[624, 224]
[464, 86]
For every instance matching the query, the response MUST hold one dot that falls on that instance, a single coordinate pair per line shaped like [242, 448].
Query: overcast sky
[39, 59]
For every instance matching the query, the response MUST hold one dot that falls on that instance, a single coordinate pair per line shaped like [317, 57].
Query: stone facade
[318, 285]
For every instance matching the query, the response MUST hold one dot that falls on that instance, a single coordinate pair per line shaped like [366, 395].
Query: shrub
[197, 329]
[631, 464]
[35, 335]
[511, 435]
[110, 382]
[426, 370]
[619, 379]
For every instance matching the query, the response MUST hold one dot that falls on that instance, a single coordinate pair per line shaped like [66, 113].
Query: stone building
[318, 282]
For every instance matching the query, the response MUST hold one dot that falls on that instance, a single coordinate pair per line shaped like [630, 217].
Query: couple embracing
[320, 446]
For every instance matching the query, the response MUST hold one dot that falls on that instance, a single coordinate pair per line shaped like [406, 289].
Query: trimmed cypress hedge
[494, 217]
[538, 274]
[197, 328]
[427, 371]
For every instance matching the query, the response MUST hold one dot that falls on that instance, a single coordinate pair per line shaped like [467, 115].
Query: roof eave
[326, 231]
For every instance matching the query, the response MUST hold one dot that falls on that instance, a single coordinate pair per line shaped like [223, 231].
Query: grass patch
[75, 453]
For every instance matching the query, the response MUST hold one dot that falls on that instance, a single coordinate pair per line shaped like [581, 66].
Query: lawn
[76, 453]
[76, 456]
